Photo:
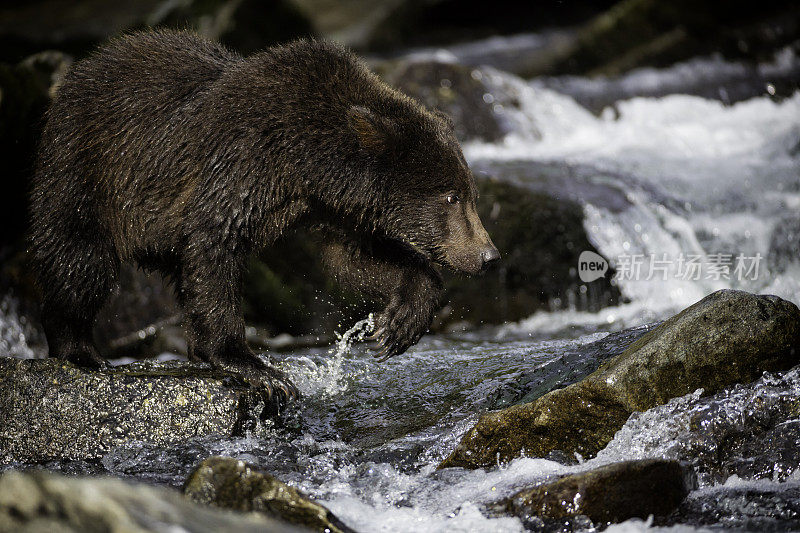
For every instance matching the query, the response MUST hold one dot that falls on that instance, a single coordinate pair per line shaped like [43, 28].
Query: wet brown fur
[171, 151]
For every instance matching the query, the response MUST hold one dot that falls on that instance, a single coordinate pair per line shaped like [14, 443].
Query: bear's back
[158, 68]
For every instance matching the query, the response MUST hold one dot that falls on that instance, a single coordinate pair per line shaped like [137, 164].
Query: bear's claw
[397, 329]
[259, 374]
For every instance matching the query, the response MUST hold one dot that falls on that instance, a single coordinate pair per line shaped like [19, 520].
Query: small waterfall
[704, 182]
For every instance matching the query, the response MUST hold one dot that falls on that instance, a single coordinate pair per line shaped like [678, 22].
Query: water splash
[329, 377]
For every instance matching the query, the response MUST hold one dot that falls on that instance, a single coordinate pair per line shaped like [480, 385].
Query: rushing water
[666, 177]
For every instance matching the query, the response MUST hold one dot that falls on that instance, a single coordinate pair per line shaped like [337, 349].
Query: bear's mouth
[419, 249]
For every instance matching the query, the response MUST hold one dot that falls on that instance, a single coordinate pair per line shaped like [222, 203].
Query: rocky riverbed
[339, 449]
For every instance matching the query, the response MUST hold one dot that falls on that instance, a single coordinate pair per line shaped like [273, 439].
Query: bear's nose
[489, 256]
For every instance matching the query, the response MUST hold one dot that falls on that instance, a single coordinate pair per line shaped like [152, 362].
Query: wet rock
[454, 89]
[571, 367]
[232, 484]
[538, 267]
[39, 501]
[728, 337]
[611, 493]
[54, 410]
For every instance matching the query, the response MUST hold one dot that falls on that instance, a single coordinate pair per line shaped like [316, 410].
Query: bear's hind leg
[77, 276]
[209, 291]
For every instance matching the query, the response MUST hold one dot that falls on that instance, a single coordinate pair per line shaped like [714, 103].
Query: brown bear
[173, 152]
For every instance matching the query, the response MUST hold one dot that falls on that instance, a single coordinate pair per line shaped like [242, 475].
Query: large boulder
[611, 493]
[232, 484]
[38, 501]
[728, 337]
[54, 410]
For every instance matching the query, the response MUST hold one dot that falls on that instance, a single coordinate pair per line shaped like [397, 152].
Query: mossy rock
[39, 501]
[726, 338]
[232, 484]
[52, 410]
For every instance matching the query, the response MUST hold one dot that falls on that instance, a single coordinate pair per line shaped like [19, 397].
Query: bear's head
[427, 191]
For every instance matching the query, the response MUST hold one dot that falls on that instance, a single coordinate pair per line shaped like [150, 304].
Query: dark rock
[611, 493]
[53, 410]
[728, 337]
[435, 22]
[77, 26]
[244, 25]
[232, 484]
[39, 501]
[28, 27]
[458, 91]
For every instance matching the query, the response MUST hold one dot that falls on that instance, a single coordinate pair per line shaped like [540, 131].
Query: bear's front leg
[408, 285]
[409, 312]
[210, 293]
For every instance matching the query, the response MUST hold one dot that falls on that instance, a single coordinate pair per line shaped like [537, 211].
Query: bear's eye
[453, 199]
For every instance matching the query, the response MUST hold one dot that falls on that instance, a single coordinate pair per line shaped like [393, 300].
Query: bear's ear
[375, 133]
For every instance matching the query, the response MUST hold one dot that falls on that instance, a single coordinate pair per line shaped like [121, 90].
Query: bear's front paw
[400, 326]
[260, 374]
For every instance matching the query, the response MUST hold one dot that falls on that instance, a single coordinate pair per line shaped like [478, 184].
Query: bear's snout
[469, 247]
